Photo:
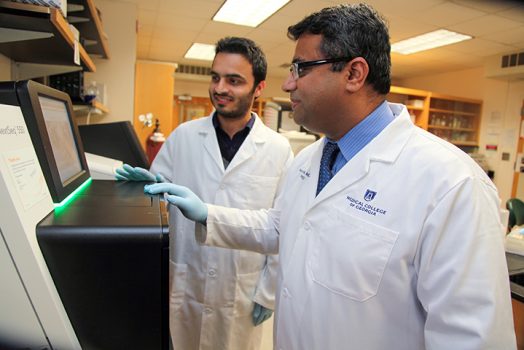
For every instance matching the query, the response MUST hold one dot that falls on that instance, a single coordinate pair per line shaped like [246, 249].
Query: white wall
[502, 101]
[5, 68]
[118, 72]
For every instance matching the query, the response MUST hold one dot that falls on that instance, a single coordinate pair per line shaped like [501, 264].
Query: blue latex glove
[189, 204]
[260, 314]
[128, 173]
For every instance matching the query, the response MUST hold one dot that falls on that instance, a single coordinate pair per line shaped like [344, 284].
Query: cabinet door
[455, 120]
[154, 90]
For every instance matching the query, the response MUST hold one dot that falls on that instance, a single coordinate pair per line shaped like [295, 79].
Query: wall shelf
[450, 111]
[452, 118]
[455, 119]
[56, 47]
[84, 15]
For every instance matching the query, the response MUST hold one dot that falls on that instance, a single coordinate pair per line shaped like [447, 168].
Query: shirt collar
[249, 124]
[365, 131]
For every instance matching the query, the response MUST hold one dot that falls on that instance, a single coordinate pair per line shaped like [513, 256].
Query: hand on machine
[260, 314]
[189, 204]
[129, 173]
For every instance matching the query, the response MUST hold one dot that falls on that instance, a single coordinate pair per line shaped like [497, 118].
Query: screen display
[58, 127]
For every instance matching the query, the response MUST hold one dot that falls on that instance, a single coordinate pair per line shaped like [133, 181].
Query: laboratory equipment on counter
[116, 140]
[102, 168]
[514, 241]
[91, 273]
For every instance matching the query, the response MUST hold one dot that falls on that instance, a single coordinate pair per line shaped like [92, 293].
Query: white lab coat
[401, 250]
[213, 290]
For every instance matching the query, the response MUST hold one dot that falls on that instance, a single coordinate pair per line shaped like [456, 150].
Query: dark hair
[249, 50]
[355, 30]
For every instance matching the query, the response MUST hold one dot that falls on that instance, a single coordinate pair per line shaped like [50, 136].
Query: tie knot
[329, 154]
[330, 147]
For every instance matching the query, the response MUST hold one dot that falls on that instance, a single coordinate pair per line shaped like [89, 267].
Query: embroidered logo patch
[369, 195]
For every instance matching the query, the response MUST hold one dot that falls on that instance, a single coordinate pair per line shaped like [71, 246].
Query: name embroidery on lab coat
[304, 173]
[366, 207]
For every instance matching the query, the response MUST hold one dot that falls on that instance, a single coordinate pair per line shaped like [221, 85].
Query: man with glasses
[219, 297]
[388, 237]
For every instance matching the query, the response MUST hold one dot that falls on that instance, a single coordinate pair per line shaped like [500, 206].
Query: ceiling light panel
[199, 51]
[248, 12]
[428, 41]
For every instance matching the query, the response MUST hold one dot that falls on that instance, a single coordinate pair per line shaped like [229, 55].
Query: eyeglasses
[297, 68]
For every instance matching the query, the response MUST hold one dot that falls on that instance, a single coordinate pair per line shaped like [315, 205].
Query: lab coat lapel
[209, 139]
[248, 148]
[386, 147]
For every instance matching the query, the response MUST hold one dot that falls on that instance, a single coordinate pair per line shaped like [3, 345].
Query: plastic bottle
[91, 92]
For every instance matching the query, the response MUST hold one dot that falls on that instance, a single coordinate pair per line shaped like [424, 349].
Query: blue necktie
[329, 154]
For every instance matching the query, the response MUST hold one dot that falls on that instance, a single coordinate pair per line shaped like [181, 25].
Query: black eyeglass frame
[296, 66]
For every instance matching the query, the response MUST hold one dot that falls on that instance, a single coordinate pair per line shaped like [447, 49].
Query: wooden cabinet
[416, 101]
[40, 41]
[456, 120]
[452, 118]
[154, 91]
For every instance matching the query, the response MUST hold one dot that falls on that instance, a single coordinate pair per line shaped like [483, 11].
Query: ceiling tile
[225, 29]
[194, 9]
[484, 25]
[297, 10]
[488, 6]
[183, 22]
[400, 29]
[445, 14]
[510, 37]
[516, 13]
[146, 4]
[406, 8]
[146, 16]
[479, 47]
[272, 36]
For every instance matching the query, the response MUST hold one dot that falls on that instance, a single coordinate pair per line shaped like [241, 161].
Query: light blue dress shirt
[362, 134]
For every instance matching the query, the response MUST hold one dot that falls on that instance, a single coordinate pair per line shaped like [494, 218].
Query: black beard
[244, 106]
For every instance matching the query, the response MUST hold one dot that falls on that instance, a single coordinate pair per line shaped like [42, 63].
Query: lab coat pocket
[350, 255]
[177, 287]
[258, 191]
